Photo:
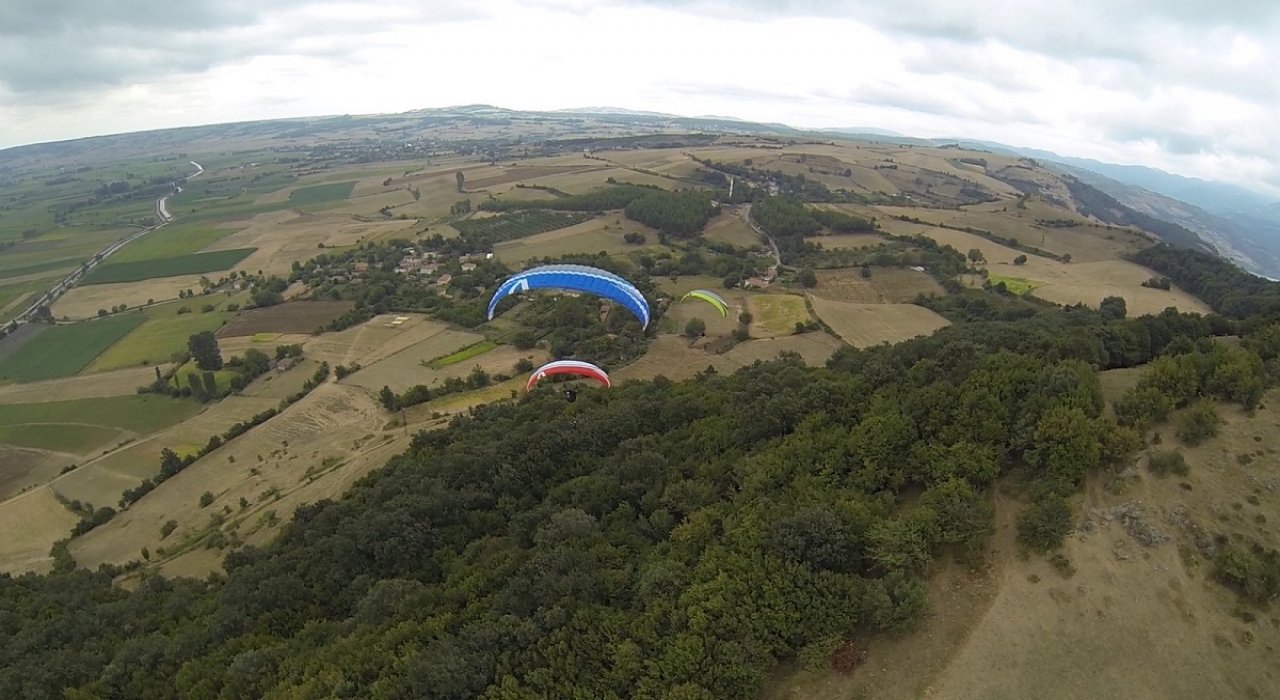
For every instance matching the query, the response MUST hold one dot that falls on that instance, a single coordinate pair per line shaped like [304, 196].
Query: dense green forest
[681, 214]
[657, 540]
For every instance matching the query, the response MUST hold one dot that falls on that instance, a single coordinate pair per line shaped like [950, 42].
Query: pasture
[838, 241]
[732, 229]
[373, 340]
[414, 364]
[1075, 282]
[163, 334]
[886, 285]
[138, 413]
[81, 426]
[316, 449]
[592, 236]
[291, 317]
[32, 522]
[174, 240]
[1085, 242]
[84, 302]
[62, 351]
[815, 348]
[863, 325]
[674, 358]
[119, 382]
[1126, 604]
[776, 314]
[102, 480]
[15, 298]
[282, 238]
[68, 439]
[321, 194]
[193, 264]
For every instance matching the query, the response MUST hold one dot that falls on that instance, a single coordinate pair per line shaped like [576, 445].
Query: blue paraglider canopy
[578, 278]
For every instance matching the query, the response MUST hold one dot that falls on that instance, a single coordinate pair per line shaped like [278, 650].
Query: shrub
[1044, 523]
[1198, 423]
[1253, 572]
[205, 499]
[1166, 462]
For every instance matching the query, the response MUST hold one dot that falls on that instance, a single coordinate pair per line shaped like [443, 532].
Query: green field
[19, 296]
[319, 194]
[1015, 285]
[169, 242]
[193, 264]
[140, 413]
[76, 439]
[463, 355]
[164, 333]
[62, 351]
[489, 230]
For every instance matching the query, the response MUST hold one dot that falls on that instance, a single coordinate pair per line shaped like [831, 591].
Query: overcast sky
[1190, 86]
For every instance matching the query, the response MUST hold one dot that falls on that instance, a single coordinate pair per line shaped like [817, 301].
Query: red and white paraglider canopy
[577, 367]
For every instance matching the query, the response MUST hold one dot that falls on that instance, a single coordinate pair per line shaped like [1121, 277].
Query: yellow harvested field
[236, 345]
[334, 436]
[776, 314]
[458, 403]
[1090, 283]
[102, 480]
[587, 237]
[579, 183]
[863, 325]
[1085, 243]
[32, 522]
[406, 368]
[117, 383]
[285, 237]
[734, 230]
[886, 285]
[815, 348]
[372, 340]
[672, 357]
[847, 240]
[681, 312]
[84, 302]
[1075, 282]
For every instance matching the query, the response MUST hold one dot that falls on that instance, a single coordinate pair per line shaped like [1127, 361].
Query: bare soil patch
[291, 317]
[21, 468]
[886, 285]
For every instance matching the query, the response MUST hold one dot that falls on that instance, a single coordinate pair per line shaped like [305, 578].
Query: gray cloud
[50, 51]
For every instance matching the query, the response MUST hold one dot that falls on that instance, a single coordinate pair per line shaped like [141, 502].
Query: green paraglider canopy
[711, 298]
